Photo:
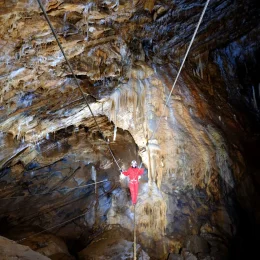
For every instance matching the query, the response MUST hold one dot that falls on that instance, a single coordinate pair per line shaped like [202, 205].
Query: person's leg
[135, 192]
[132, 191]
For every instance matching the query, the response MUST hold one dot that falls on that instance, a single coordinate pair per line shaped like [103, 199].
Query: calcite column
[154, 161]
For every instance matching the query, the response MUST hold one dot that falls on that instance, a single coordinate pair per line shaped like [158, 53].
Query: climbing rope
[75, 78]
[99, 129]
[65, 222]
[59, 190]
[47, 229]
[134, 236]
[180, 69]
[167, 101]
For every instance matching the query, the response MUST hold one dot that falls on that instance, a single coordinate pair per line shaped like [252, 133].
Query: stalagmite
[151, 209]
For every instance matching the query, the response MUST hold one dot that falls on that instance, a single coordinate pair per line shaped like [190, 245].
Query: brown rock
[47, 245]
[11, 250]
[196, 244]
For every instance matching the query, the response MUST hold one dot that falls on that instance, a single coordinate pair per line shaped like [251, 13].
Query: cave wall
[202, 170]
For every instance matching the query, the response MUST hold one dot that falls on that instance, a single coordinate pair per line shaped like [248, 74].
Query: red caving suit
[133, 174]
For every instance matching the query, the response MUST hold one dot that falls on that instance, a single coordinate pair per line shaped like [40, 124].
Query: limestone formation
[199, 146]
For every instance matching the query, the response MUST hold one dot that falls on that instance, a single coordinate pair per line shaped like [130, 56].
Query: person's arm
[141, 171]
[126, 173]
[122, 176]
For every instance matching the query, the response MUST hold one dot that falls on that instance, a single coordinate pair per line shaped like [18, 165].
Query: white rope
[61, 224]
[47, 229]
[77, 83]
[134, 236]
[182, 64]
[63, 189]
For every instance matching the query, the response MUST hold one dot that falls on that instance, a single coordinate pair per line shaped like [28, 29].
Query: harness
[133, 181]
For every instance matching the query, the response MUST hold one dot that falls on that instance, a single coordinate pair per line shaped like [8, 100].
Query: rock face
[112, 244]
[11, 250]
[197, 245]
[200, 151]
[48, 245]
[66, 165]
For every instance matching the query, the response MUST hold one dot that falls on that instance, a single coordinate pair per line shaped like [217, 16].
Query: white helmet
[134, 164]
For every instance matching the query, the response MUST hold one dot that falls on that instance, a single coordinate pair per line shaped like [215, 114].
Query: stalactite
[141, 107]
[93, 173]
[141, 100]
[254, 98]
[129, 99]
[155, 155]
[200, 67]
[85, 21]
[115, 131]
[115, 105]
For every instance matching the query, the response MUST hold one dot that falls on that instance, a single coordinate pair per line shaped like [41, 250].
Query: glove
[122, 176]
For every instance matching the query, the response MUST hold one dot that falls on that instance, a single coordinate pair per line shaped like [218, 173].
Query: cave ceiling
[125, 55]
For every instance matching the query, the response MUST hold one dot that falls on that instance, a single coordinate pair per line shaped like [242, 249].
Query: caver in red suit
[133, 173]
